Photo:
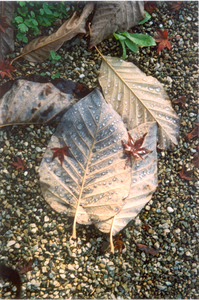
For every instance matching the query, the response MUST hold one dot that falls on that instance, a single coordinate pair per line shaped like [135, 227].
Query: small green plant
[134, 40]
[54, 57]
[53, 76]
[32, 14]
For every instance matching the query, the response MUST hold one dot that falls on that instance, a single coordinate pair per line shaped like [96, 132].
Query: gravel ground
[30, 229]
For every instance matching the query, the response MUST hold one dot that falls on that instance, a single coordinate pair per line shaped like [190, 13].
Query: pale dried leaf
[33, 102]
[39, 49]
[7, 39]
[139, 98]
[91, 184]
[114, 16]
[144, 181]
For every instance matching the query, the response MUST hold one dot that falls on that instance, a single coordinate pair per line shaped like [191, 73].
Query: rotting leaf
[27, 102]
[39, 49]
[6, 69]
[114, 16]
[92, 184]
[118, 244]
[180, 100]
[138, 99]
[150, 6]
[60, 152]
[162, 38]
[25, 267]
[175, 5]
[19, 164]
[195, 160]
[186, 174]
[147, 249]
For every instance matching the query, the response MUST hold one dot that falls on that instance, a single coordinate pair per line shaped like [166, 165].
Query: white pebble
[10, 243]
[170, 209]
[46, 219]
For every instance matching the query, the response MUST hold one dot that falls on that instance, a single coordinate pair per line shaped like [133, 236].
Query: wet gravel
[30, 229]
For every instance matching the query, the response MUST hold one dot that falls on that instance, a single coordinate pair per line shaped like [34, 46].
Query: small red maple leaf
[146, 249]
[194, 133]
[150, 6]
[3, 24]
[60, 152]
[163, 40]
[118, 244]
[19, 164]
[186, 174]
[6, 68]
[175, 5]
[26, 267]
[135, 149]
[195, 160]
[180, 100]
[145, 226]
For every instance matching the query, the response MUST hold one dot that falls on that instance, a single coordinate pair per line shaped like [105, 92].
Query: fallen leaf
[6, 68]
[114, 16]
[118, 244]
[186, 174]
[7, 9]
[3, 24]
[149, 250]
[150, 6]
[180, 100]
[163, 40]
[138, 99]
[25, 267]
[39, 49]
[194, 133]
[60, 152]
[175, 5]
[19, 164]
[92, 184]
[145, 226]
[135, 149]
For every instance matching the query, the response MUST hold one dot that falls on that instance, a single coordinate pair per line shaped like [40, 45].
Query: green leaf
[148, 17]
[23, 28]
[41, 11]
[52, 54]
[119, 37]
[22, 36]
[32, 14]
[132, 46]
[19, 19]
[43, 74]
[142, 39]
[123, 49]
[22, 10]
[22, 3]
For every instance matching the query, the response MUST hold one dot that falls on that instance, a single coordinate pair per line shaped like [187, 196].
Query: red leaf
[3, 24]
[150, 6]
[19, 164]
[135, 149]
[186, 174]
[145, 226]
[60, 152]
[180, 100]
[146, 249]
[118, 243]
[6, 69]
[26, 267]
[175, 5]
[194, 133]
[163, 40]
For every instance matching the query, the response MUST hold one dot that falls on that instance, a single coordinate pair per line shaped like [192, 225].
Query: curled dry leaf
[39, 49]
[114, 16]
[149, 250]
[138, 99]
[92, 184]
[29, 102]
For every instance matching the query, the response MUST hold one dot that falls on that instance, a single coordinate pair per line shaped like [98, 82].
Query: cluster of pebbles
[30, 229]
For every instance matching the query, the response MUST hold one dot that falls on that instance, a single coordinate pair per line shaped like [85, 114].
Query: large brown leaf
[115, 16]
[92, 183]
[7, 36]
[32, 102]
[143, 184]
[39, 49]
[138, 99]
